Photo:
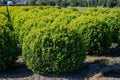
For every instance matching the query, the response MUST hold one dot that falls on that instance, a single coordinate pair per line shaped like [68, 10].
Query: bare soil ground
[95, 68]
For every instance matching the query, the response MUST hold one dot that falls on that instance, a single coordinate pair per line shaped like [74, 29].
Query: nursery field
[50, 41]
[100, 68]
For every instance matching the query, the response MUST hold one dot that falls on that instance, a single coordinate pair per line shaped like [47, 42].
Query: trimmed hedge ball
[53, 50]
[96, 34]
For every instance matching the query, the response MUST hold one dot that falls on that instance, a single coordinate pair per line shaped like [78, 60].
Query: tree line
[80, 3]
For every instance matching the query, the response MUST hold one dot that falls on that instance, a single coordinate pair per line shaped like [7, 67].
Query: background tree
[81, 3]
[33, 2]
[118, 3]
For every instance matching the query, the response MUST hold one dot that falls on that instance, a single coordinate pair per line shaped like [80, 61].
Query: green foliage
[33, 2]
[104, 20]
[110, 16]
[55, 39]
[35, 16]
[56, 49]
[81, 3]
[113, 21]
[119, 37]
[50, 39]
[8, 45]
[72, 8]
[95, 33]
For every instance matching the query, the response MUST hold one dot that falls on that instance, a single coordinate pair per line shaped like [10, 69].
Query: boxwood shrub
[110, 16]
[113, 21]
[95, 32]
[8, 45]
[98, 36]
[35, 16]
[53, 50]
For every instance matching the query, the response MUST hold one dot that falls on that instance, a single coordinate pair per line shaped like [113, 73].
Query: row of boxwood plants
[48, 44]
[56, 40]
[93, 25]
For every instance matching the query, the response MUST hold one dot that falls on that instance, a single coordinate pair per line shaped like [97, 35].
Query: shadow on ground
[19, 70]
[113, 52]
[96, 69]
[105, 67]
[90, 69]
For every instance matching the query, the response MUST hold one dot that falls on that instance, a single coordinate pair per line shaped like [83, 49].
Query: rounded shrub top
[53, 50]
[95, 33]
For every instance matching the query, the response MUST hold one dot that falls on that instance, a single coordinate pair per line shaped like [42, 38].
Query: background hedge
[95, 32]
[30, 17]
[110, 16]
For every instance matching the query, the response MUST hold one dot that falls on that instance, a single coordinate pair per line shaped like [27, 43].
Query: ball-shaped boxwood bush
[8, 45]
[53, 50]
[113, 21]
[96, 34]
